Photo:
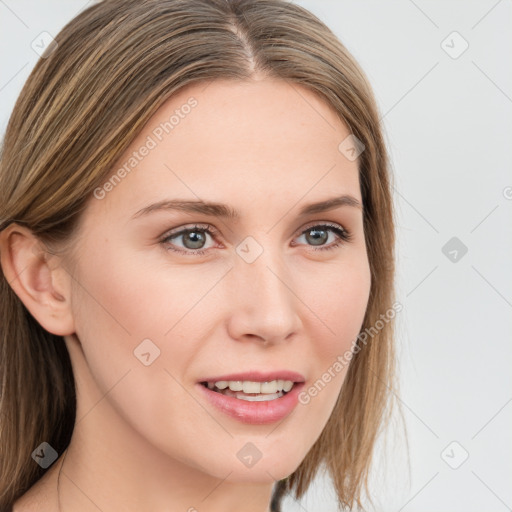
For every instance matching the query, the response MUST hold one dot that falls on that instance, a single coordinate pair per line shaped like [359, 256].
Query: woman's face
[157, 311]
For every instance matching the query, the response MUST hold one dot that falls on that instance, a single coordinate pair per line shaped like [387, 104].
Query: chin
[264, 471]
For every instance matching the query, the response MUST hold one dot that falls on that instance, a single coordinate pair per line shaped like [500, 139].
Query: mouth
[251, 391]
[254, 398]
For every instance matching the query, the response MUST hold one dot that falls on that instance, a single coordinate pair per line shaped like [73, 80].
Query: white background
[447, 121]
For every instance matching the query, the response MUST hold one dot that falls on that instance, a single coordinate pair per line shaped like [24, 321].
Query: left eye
[194, 238]
[320, 234]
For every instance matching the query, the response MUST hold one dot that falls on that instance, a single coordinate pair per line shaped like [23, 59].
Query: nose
[262, 298]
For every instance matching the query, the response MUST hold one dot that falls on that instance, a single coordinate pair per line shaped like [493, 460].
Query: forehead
[252, 117]
[236, 142]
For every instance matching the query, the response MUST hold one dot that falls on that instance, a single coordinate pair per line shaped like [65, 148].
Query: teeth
[235, 385]
[268, 387]
[287, 385]
[259, 398]
[252, 387]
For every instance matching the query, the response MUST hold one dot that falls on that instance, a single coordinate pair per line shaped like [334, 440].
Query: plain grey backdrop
[442, 77]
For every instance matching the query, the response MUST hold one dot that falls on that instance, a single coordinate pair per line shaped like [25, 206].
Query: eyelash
[342, 234]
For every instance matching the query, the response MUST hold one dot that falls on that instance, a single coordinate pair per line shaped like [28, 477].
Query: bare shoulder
[42, 496]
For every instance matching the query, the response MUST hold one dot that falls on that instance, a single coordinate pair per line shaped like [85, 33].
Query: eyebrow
[225, 211]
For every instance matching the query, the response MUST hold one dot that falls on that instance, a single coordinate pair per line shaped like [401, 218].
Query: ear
[38, 279]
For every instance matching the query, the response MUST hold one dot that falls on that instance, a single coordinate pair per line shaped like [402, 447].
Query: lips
[256, 413]
[257, 376]
[275, 407]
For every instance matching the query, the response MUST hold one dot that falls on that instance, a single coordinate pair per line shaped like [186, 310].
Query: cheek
[339, 305]
[340, 308]
[120, 303]
[125, 297]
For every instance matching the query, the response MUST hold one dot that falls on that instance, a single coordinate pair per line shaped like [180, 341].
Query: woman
[197, 257]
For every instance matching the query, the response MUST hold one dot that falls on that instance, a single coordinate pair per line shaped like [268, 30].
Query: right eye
[193, 239]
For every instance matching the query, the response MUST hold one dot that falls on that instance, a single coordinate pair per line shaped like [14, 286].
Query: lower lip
[258, 413]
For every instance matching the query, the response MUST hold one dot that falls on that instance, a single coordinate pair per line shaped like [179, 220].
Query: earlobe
[35, 275]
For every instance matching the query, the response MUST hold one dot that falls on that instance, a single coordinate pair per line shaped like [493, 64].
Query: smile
[251, 391]
[269, 404]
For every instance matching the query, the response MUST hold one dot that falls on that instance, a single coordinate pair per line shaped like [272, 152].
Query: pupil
[315, 238]
[197, 241]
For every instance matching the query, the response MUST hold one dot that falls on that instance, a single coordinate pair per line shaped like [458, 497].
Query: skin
[145, 438]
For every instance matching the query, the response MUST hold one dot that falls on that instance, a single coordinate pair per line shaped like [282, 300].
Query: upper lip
[258, 376]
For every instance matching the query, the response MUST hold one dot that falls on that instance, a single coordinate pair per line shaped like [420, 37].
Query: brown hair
[83, 104]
